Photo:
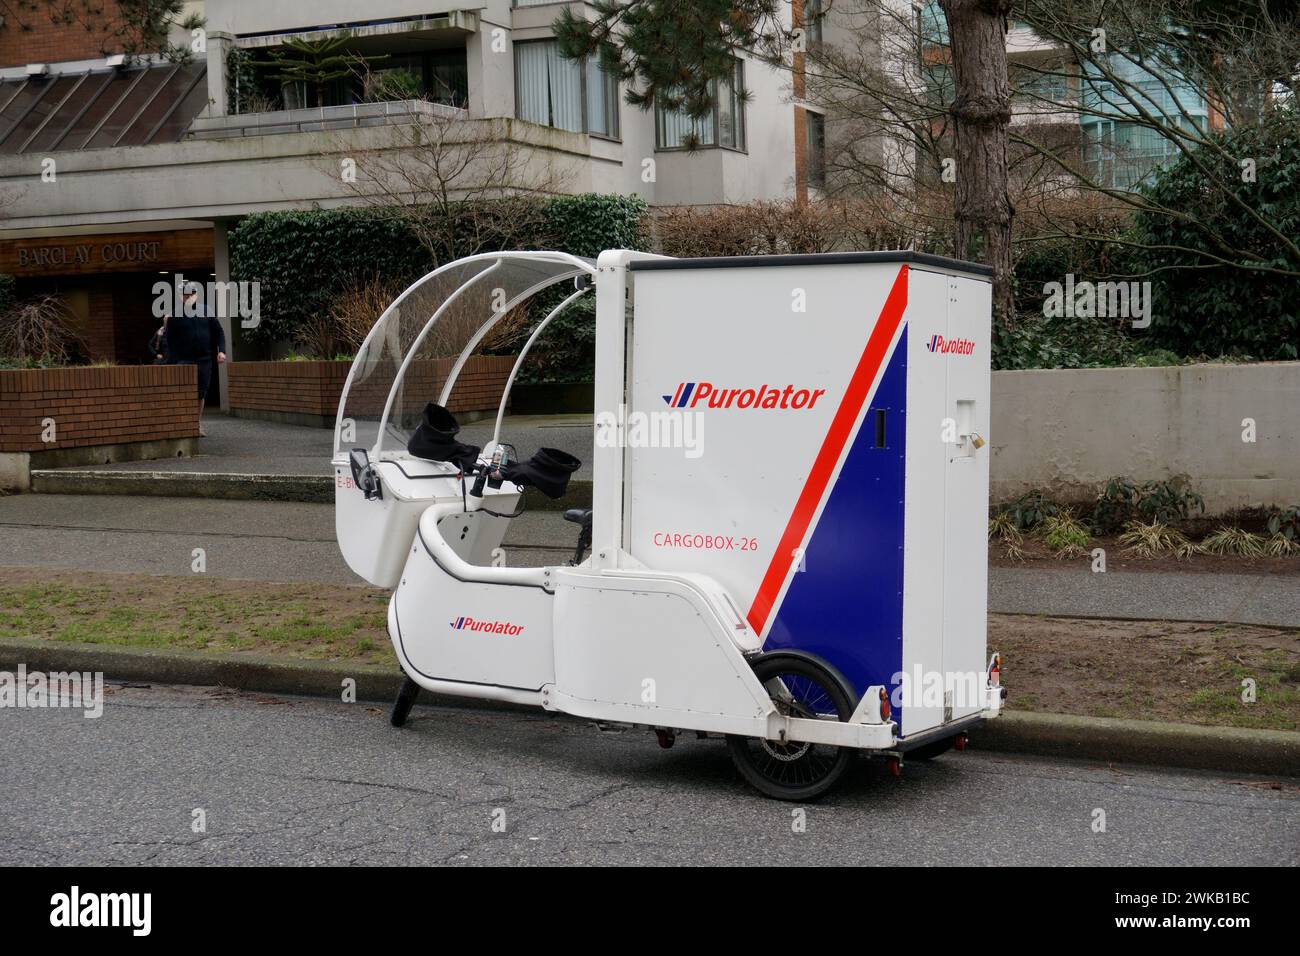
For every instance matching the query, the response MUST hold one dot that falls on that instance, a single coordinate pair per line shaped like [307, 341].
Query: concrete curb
[258, 673]
[1188, 746]
[1225, 749]
[314, 489]
[176, 484]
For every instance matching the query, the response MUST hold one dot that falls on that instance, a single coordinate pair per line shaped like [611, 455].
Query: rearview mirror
[363, 474]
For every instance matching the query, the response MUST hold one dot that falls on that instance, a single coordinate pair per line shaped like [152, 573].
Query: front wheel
[405, 701]
[800, 685]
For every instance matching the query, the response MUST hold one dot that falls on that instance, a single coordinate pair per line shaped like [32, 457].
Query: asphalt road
[286, 541]
[250, 540]
[298, 781]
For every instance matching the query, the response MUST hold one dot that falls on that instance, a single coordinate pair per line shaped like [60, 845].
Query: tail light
[884, 706]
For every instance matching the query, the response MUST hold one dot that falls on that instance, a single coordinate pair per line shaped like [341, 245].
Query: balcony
[321, 118]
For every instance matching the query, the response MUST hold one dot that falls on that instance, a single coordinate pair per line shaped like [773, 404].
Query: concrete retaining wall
[1070, 430]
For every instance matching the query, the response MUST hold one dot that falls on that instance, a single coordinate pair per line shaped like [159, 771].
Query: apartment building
[1076, 116]
[115, 171]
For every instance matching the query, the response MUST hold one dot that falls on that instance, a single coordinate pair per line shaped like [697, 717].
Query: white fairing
[374, 535]
[479, 633]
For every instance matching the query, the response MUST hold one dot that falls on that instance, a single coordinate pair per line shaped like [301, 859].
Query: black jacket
[192, 338]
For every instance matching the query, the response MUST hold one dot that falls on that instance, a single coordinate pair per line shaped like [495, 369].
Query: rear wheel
[800, 685]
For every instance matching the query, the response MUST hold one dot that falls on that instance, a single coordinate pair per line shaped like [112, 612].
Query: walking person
[189, 338]
[158, 345]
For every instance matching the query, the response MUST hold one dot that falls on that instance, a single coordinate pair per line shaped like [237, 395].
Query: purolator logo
[504, 628]
[707, 395]
[938, 343]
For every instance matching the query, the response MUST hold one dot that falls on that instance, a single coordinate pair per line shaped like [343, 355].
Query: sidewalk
[245, 446]
[1148, 595]
[293, 541]
[248, 460]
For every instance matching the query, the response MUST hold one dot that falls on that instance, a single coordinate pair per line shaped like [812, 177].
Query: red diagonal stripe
[864, 377]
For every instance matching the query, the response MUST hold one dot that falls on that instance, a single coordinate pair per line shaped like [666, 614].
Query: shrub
[353, 311]
[1031, 509]
[39, 332]
[304, 259]
[1039, 342]
[588, 224]
[1234, 541]
[1285, 522]
[583, 225]
[1114, 506]
[1154, 540]
[1280, 546]
[1001, 526]
[1205, 308]
[320, 266]
[1121, 500]
[566, 350]
[792, 227]
[1167, 502]
[1066, 535]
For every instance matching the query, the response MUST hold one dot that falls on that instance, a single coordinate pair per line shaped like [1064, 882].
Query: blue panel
[847, 603]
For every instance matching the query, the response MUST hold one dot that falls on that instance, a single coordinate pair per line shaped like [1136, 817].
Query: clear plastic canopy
[418, 345]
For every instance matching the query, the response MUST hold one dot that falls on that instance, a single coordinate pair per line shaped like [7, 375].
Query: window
[724, 126]
[1124, 155]
[940, 89]
[551, 90]
[1042, 89]
[813, 19]
[815, 123]
[602, 101]
[931, 22]
[440, 76]
[446, 77]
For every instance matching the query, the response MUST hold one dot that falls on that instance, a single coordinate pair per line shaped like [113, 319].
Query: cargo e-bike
[788, 501]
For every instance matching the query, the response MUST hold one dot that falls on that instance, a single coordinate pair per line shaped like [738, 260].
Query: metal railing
[313, 119]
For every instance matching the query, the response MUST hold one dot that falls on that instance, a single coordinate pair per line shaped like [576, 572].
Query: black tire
[931, 750]
[405, 701]
[796, 771]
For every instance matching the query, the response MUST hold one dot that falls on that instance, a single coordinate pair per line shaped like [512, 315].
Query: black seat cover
[435, 439]
[548, 471]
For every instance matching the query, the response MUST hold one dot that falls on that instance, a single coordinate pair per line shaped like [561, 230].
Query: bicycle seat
[580, 516]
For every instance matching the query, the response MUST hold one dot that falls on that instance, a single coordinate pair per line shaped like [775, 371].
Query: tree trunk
[977, 32]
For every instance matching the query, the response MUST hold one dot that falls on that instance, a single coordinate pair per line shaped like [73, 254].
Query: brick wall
[31, 35]
[313, 388]
[97, 406]
[100, 337]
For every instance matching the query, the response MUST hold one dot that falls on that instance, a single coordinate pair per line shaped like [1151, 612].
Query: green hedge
[583, 225]
[1201, 308]
[304, 258]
